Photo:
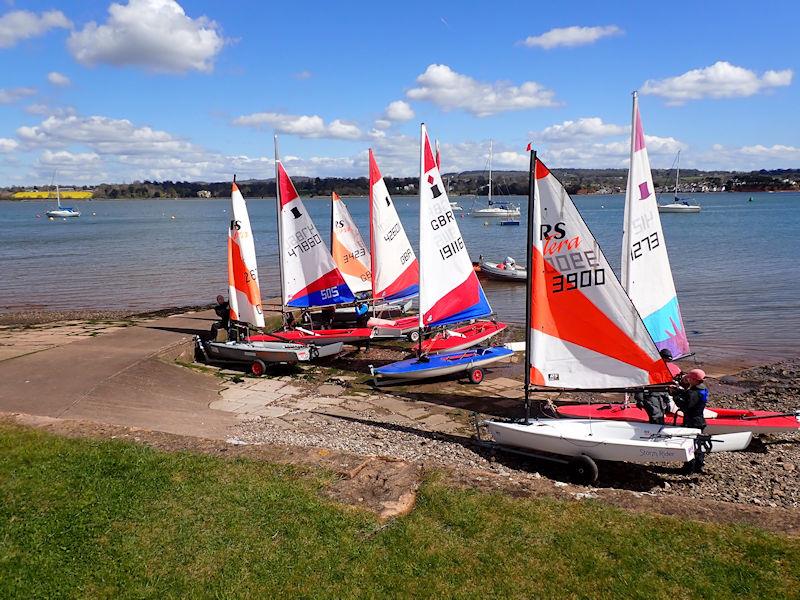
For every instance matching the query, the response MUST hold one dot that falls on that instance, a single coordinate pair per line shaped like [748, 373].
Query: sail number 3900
[578, 279]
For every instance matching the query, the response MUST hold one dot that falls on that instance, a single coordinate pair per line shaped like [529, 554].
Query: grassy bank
[110, 519]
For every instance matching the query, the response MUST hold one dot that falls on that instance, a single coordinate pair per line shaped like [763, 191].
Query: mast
[371, 232]
[58, 196]
[490, 172]
[677, 173]
[529, 282]
[626, 226]
[421, 174]
[280, 228]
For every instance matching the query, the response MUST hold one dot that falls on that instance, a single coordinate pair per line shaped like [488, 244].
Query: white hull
[496, 212]
[269, 352]
[678, 208]
[493, 271]
[63, 214]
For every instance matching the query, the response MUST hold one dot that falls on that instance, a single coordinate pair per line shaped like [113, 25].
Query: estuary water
[735, 263]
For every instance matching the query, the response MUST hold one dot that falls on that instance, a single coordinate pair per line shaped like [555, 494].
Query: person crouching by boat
[691, 397]
[223, 311]
[657, 403]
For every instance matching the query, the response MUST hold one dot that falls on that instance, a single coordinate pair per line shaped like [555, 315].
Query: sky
[195, 90]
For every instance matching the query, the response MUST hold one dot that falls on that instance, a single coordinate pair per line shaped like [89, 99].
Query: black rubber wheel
[257, 368]
[313, 352]
[476, 376]
[583, 469]
[413, 336]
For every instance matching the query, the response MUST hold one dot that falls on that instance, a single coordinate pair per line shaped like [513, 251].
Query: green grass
[83, 518]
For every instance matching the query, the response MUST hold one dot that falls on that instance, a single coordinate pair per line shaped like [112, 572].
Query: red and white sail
[395, 270]
[309, 275]
[646, 272]
[449, 291]
[585, 332]
[350, 253]
[244, 294]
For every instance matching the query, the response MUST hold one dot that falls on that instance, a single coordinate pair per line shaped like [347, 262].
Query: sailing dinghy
[585, 334]
[449, 289]
[647, 279]
[244, 297]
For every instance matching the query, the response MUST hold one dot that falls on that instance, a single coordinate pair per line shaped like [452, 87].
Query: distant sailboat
[350, 253]
[646, 272]
[500, 209]
[62, 211]
[678, 205]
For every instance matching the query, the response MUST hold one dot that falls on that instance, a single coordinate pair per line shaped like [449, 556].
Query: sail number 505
[578, 279]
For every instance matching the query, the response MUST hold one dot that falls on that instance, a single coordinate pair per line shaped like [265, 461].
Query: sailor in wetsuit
[691, 397]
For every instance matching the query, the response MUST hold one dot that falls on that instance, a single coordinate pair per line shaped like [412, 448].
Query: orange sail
[244, 293]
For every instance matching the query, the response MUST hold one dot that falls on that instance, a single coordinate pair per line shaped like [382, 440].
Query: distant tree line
[576, 181]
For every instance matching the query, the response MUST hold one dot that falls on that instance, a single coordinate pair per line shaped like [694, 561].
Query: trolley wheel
[583, 469]
[413, 336]
[257, 368]
[476, 376]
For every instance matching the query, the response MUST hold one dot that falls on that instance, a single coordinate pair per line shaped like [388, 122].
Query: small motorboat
[509, 223]
[471, 361]
[718, 420]
[609, 440]
[507, 270]
[460, 338]
[260, 354]
[320, 337]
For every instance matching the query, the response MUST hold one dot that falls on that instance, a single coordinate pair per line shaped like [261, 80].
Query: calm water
[735, 264]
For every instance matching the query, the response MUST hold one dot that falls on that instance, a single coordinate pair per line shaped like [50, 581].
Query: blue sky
[193, 90]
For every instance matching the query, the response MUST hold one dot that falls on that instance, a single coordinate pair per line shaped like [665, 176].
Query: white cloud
[570, 36]
[44, 109]
[58, 79]
[154, 34]
[720, 80]
[383, 123]
[9, 96]
[587, 127]
[303, 75]
[450, 90]
[8, 145]
[19, 25]
[64, 159]
[747, 158]
[306, 126]
[103, 135]
[399, 111]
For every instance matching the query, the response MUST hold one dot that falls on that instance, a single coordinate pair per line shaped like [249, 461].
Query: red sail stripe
[541, 170]
[572, 317]
[409, 278]
[288, 191]
[430, 163]
[460, 298]
[239, 275]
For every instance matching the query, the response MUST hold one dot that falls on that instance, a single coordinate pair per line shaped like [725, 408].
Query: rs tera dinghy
[583, 333]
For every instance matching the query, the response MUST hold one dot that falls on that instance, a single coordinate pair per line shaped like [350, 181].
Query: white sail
[395, 270]
[646, 272]
[585, 332]
[309, 275]
[449, 290]
[244, 293]
[349, 251]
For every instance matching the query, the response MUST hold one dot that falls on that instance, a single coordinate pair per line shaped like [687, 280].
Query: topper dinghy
[584, 333]
[321, 337]
[471, 361]
[449, 290]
